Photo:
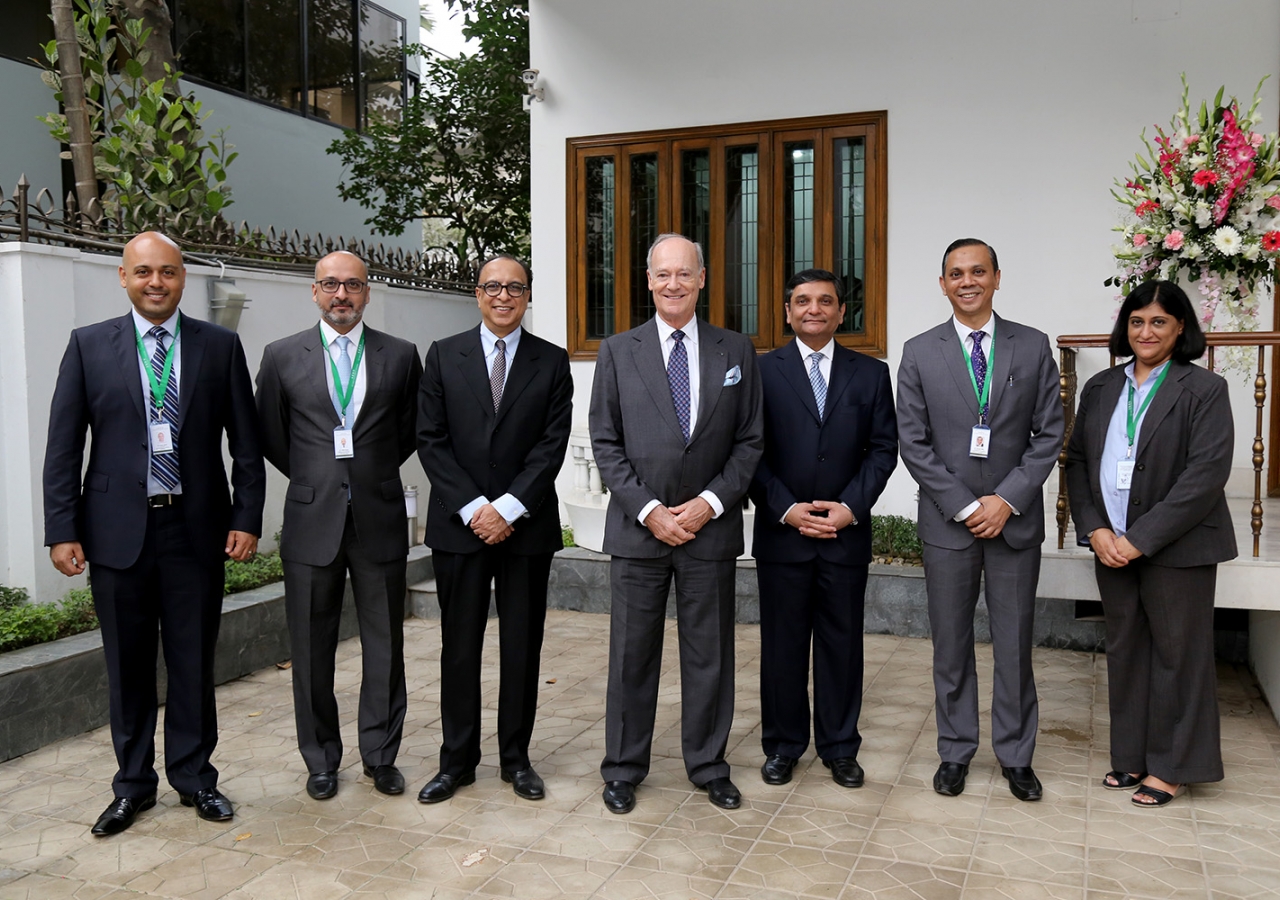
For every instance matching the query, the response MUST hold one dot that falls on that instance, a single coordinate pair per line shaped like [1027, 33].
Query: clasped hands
[678, 525]
[489, 526]
[1113, 552]
[987, 521]
[808, 518]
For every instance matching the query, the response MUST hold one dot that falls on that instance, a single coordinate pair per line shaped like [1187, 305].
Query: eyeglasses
[514, 290]
[330, 285]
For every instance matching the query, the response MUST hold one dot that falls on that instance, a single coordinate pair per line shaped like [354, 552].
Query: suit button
[344, 486]
[142, 484]
[493, 465]
[1141, 466]
[1137, 501]
[821, 458]
[687, 451]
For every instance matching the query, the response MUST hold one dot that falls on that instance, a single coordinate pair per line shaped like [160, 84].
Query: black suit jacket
[99, 388]
[298, 420]
[846, 455]
[468, 450]
[1177, 510]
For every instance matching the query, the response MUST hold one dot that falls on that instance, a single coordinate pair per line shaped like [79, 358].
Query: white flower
[1204, 214]
[1251, 251]
[1169, 269]
[1198, 161]
[1227, 240]
[1243, 220]
[1191, 250]
[1167, 198]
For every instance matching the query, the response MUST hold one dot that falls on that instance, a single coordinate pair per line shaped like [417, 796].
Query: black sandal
[1159, 797]
[1122, 781]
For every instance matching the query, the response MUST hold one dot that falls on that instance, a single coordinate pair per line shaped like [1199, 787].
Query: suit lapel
[523, 366]
[954, 359]
[712, 366]
[315, 359]
[646, 355]
[471, 362]
[191, 345]
[1107, 400]
[125, 343]
[1002, 365]
[796, 374]
[1161, 404]
[843, 362]
[374, 364]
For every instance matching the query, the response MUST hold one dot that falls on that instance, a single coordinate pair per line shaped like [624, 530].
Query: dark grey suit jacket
[298, 420]
[1177, 510]
[937, 410]
[640, 449]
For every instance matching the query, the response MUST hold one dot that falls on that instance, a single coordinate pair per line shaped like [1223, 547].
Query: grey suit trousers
[952, 579]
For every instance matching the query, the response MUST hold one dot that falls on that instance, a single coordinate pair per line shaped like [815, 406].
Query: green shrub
[11, 597]
[264, 568]
[25, 624]
[895, 536]
[566, 535]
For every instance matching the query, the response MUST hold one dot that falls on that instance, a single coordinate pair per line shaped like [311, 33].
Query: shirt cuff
[783, 520]
[1011, 506]
[509, 508]
[648, 508]
[716, 506]
[967, 511]
[468, 512]
[851, 515]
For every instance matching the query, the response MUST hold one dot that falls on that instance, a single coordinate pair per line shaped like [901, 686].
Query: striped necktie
[164, 466]
[819, 386]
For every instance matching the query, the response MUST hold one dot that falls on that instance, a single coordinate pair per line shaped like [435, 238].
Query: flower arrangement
[1205, 199]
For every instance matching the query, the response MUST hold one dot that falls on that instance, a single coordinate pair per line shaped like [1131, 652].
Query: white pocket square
[733, 376]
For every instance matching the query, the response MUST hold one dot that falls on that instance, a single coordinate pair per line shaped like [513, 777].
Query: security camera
[529, 77]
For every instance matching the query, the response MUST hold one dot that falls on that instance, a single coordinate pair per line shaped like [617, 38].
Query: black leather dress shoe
[777, 769]
[525, 782]
[723, 793]
[120, 814]
[442, 787]
[386, 779]
[619, 796]
[845, 771]
[210, 804]
[322, 785]
[1023, 782]
[949, 779]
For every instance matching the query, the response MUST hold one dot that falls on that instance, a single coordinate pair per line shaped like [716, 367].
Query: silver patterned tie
[498, 375]
[819, 386]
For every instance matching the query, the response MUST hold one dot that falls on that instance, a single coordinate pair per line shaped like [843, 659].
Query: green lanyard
[161, 387]
[1133, 420]
[344, 394]
[983, 394]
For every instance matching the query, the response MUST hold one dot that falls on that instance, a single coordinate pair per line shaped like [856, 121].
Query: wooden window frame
[768, 137]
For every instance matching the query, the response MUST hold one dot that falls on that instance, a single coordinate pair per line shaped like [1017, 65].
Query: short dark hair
[1173, 299]
[528, 273]
[969, 242]
[809, 276]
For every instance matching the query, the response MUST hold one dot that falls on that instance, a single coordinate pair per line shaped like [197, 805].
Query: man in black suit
[153, 517]
[676, 432]
[831, 442]
[494, 414]
[338, 418]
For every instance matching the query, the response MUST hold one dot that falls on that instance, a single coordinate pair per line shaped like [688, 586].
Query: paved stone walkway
[894, 838]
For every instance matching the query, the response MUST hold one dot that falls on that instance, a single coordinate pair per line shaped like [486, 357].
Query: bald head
[345, 255]
[152, 274]
[348, 276]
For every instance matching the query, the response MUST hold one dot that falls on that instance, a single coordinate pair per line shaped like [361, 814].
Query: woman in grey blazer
[1146, 465]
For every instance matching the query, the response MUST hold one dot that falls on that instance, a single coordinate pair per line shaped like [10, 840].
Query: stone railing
[1071, 344]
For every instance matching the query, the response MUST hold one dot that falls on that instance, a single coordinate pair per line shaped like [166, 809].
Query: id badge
[161, 438]
[343, 446]
[1124, 474]
[980, 441]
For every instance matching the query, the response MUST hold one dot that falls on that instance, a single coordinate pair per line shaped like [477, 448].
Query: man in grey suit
[337, 409]
[677, 431]
[980, 428]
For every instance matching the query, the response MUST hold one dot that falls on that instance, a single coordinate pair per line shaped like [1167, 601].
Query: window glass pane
[27, 25]
[275, 52]
[849, 227]
[331, 61]
[742, 240]
[644, 228]
[209, 36]
[797, 201]
[600, 248]
[381, 66]
[695, 209]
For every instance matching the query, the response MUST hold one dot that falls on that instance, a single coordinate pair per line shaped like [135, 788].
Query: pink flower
[1139, 240]
[1274, 201]
[1191, 140]
[1173, 240]
[1145, 207]
[1271, 241]
[1205, 177]
[1255, 139]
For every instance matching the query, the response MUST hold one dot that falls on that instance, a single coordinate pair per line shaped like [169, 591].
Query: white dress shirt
[827, 354]
[966, 341]
[144, 366]
[1116, 447]
[507, 505]
[667, 342]
[331, 344]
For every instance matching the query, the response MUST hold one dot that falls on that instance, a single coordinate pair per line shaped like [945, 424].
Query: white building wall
[47, 291]
[1008, 121]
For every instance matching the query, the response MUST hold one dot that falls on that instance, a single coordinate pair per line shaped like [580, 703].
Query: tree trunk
[73, 103]
[154, 15]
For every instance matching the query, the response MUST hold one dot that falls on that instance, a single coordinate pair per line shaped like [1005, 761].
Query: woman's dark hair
[1190, 345]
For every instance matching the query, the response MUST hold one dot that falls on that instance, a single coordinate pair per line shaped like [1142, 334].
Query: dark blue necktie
[164, 466]
[979, 360]
[678, 376]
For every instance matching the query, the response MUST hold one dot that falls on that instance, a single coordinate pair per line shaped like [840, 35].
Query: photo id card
[343, 446]
[161, 438]
[1124, 474]
[980, 441]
